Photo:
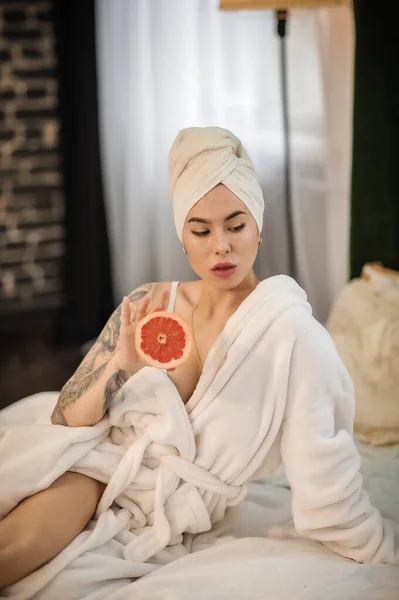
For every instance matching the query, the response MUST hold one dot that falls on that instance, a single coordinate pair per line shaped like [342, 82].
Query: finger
[165, 298]
[133, 309]
[142, 308]
[125, 311]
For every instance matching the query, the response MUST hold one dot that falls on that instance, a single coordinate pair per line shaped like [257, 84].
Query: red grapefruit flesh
[162, 340]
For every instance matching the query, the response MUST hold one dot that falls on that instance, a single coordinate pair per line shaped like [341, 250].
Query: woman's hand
[130, 362]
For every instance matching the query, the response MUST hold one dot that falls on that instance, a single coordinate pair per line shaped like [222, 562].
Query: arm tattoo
[80, 383]
[138, 294]
[109, 335]
[112, 387]
[87, 375]
[83, 379]
[57, 418]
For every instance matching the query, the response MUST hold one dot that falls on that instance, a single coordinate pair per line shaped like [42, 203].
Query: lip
[226, 272]
[222, 265]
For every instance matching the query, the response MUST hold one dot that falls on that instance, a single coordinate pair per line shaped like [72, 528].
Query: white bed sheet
[253, 553]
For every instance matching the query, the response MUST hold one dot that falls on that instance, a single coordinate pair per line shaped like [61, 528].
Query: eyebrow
[234, 214]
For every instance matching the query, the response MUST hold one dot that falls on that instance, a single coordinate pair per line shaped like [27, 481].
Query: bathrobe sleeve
[320, 458]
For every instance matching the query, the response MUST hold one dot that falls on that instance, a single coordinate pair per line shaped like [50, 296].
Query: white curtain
[336, 41]
[167, 65]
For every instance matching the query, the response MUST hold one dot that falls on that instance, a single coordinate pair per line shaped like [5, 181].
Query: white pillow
[364, 323]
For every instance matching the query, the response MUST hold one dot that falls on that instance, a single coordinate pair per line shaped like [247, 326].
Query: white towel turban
[203, 157]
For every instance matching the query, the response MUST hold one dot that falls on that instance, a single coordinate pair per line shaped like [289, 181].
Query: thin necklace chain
[192, 325]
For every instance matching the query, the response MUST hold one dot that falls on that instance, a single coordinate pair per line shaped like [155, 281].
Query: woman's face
[220, 229]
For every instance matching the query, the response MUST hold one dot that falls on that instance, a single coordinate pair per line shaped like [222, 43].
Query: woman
[218, 208]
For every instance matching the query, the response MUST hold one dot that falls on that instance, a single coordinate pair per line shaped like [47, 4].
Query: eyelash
[205, 233]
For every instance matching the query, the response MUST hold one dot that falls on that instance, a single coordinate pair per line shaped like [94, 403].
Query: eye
[201, 233]
[238, 228]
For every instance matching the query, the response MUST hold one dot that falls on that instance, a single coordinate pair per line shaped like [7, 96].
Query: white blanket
[272, 386]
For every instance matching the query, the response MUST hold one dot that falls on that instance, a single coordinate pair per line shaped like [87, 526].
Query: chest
[186, 377]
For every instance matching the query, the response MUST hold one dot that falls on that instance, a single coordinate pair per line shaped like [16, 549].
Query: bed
[254, 553]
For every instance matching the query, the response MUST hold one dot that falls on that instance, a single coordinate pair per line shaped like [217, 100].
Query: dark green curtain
[375, 174]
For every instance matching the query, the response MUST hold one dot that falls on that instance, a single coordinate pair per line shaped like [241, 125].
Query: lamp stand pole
[281, 21]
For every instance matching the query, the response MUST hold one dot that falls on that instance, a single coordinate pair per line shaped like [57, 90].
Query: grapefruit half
[162, 340]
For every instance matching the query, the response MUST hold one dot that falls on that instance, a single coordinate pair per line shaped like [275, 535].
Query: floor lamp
[281, 11]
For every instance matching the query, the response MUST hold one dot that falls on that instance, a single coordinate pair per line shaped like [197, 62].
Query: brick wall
[31, 198]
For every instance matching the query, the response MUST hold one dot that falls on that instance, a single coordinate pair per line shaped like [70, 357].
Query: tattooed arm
[85, 398]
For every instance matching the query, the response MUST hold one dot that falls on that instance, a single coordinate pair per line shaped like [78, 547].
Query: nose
[221, 244]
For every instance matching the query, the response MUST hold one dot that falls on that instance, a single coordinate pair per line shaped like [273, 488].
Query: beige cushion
[364, 323]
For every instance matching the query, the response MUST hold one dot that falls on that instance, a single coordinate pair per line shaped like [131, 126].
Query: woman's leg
[44, 524]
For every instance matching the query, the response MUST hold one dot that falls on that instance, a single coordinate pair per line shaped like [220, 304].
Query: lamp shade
[277, 4]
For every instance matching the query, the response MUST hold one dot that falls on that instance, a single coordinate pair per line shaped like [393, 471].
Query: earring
[184, 250]
[260, 241]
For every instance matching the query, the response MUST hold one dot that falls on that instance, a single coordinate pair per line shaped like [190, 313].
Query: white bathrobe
[272, 387]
